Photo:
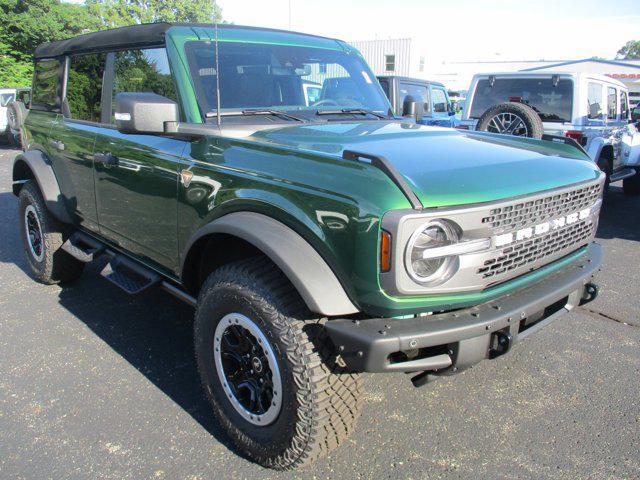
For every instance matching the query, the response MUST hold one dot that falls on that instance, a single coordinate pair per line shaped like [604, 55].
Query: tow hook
[501, 342]
[589, 294]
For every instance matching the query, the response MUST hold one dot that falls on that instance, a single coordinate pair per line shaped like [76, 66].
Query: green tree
[630, 51]
[24, 24]
[117, 13]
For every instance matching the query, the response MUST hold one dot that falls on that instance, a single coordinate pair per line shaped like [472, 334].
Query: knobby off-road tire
[631, 185]
[320, 400]
[490, 121]
[48, 263]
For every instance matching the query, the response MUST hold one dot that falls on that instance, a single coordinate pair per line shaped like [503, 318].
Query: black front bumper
[458, 339]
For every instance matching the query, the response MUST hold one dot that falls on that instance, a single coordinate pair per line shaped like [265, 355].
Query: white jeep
[591, 109]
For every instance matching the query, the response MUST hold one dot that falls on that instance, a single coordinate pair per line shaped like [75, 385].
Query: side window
[142, 71]
[439, 100]
[84, 87]
[612, 104]
[624, 106]
[5, 99]
[419, 92]
[46, 85]
[594, 97]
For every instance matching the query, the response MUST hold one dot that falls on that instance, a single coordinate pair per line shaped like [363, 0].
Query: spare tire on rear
[511, 118]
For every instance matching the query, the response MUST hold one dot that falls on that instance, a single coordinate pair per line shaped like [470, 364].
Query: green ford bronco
[317, 238]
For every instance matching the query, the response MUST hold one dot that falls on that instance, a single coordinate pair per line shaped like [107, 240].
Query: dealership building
[400, 57]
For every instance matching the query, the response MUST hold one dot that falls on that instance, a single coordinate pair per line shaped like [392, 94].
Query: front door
[136, 176]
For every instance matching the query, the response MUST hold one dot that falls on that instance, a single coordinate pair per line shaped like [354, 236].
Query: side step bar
[130, 276]
[83, 247]
[622, 174]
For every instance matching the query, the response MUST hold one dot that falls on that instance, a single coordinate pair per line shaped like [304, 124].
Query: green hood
[446, 166]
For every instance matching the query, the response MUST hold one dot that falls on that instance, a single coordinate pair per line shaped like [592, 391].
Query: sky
[459, 30]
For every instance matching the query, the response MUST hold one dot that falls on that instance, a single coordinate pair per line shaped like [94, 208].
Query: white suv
[591, 109]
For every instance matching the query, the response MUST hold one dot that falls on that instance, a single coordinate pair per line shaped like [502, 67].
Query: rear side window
[624, 106]
[439, 100]
[142, 71]
[5, 99]
[46, 85]
[594, 97]
[84, 87]
[419, 92]
[612, 104]
[553, 100]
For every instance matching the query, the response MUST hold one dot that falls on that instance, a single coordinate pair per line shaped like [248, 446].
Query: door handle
[107, 159]
[57, 144]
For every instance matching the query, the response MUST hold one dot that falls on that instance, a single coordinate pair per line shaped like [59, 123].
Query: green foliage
[13, 72]
[117, 13]
[630, 51]
[24, 24]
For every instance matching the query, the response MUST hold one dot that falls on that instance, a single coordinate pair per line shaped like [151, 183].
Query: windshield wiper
[256, 111]
[351, 111]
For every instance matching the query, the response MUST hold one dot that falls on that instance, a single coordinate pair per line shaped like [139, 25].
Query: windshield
[301, 80]
[552, 100]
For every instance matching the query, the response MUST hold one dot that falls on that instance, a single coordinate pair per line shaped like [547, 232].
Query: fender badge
[186, 176]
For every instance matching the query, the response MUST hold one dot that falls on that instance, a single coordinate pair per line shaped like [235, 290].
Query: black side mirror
[143, 112]
[412, 107]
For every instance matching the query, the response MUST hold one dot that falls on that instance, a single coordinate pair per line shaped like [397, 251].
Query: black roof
[134, 36]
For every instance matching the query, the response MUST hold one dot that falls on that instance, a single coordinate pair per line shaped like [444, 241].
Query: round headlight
[431, 271]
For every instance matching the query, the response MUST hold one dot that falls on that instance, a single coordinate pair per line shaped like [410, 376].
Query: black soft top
[134, 36]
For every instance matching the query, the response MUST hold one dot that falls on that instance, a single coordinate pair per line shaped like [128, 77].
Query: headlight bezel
[448, 264]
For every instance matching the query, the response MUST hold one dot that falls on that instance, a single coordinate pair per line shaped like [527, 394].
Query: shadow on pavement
[152, 331]
[620, 216]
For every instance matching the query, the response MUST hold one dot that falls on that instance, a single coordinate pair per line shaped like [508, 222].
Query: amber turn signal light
[385, 251]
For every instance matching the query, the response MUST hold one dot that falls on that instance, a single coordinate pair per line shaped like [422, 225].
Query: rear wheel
[511, 118]
[42, 237]
[631, 185]
[269, 371]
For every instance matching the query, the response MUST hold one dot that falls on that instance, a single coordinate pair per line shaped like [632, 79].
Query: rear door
[73, 135]
[137, 195]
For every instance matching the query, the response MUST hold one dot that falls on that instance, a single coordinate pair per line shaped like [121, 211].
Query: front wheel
[269, 371]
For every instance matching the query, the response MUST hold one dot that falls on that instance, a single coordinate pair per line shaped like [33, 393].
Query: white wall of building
[376, 51]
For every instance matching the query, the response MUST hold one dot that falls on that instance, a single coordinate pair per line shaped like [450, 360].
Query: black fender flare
[309, 273]
[35, 164]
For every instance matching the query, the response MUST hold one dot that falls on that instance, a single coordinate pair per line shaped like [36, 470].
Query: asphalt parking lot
[98, 384]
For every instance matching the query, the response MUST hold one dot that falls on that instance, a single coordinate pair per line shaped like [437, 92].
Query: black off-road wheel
[268, 369]
[42, 237]
[631, 185]
[511, 118]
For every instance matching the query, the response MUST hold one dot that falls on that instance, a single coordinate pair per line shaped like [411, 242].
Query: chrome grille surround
[502, 262]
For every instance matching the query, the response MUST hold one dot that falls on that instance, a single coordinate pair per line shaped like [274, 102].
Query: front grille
[531, 212]
[553, 244]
